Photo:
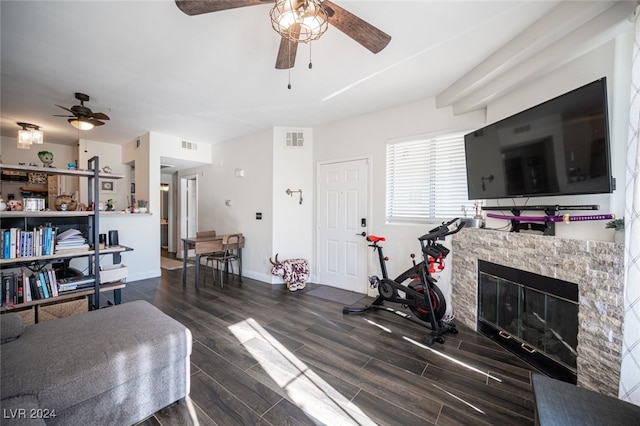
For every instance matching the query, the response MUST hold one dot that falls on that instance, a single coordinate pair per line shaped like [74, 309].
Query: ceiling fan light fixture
[28, 135]
[81, 124]
[301, 21]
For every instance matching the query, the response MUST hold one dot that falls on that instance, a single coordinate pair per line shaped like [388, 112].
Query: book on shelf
[74, 283]
[27, 287]
[71, 240]
[43, 284]
[8, 289]
[19, 243]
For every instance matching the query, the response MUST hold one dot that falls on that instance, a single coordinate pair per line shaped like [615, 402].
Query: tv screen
[560, 147]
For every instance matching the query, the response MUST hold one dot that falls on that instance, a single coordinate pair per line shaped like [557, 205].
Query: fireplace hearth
[596, 267]
[533, 316]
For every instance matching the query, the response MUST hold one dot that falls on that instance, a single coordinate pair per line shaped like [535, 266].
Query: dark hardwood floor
[263, 355]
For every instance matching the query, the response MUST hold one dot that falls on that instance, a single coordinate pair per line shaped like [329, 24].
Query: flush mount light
[28, 135]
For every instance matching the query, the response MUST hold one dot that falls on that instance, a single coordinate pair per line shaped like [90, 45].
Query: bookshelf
[88, 222]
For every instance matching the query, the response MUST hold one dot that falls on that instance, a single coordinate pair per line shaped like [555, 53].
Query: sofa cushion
[561, 404]
[72, 359]
[11, 327]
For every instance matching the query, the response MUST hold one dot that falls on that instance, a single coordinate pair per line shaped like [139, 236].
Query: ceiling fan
[359, 30]
[82, 117]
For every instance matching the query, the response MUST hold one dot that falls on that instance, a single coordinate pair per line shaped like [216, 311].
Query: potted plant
[142, 206]
[618, 226]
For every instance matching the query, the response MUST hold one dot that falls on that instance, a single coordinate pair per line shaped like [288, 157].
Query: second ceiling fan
[359, 30]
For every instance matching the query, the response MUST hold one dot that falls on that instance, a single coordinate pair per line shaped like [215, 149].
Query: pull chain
[310, 64]
[289, 70]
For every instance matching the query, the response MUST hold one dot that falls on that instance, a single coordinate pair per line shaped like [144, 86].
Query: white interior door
[188, 208]
[342, 217]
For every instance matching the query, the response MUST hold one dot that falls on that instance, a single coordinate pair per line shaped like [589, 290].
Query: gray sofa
[562, 404]
[114, 366]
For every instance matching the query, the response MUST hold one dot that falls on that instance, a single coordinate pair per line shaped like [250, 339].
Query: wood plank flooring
[265, 356]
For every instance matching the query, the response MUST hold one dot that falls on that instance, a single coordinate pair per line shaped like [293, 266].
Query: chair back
[231, 243]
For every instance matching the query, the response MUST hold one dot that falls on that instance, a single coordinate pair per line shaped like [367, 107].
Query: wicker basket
[62, 309]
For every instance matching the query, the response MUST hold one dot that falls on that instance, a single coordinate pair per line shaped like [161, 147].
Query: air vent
[294, 139]
[522, 129]
[190, 145]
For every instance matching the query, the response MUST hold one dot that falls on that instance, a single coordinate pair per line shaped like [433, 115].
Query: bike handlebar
[442, 231]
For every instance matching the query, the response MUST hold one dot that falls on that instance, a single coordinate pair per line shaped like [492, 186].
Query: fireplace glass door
[538, 324]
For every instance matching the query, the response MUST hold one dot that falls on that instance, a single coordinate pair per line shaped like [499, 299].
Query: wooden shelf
[56, 171]
[64, 255]
[46, 213]
[71, 294]
[34, 189]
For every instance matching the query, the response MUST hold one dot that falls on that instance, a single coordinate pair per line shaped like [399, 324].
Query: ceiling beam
[557, 36]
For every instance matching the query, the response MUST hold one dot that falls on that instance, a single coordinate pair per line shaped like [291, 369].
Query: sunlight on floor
[467, 366]
[303, 387]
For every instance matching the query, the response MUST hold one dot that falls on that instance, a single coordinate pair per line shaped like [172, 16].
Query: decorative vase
[142, 209]
[3, 205]
[618, 237]
[65, 203]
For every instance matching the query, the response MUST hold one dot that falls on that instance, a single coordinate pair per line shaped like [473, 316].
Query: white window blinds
[426, 179]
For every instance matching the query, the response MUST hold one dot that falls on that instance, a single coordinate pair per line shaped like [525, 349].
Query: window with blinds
[426, 179]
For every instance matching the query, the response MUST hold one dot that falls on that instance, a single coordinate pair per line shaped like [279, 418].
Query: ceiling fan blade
[286, 54]
[60, 115]
[64, 108]
[198, 7]
[99, 115]
[94, 121]
[361, 31]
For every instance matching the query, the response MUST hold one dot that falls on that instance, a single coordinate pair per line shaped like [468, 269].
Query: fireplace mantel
[597, 268]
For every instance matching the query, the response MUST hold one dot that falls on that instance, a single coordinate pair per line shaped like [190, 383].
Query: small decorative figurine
[110, 206]
[46, 157]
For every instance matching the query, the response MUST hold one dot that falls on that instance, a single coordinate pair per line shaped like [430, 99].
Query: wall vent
[189, 145]
[294, 139]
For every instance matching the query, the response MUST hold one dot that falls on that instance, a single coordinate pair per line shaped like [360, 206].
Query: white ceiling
[211, 78]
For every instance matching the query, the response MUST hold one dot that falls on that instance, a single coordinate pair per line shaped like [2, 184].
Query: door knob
[364, 234]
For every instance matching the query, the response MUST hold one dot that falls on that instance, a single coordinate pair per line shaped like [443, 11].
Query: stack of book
[71, 240]
[15, 242]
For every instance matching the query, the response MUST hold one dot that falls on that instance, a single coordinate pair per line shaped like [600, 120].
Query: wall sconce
[290, 193]
[28, 135]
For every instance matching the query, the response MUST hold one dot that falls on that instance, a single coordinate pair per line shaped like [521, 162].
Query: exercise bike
[421, 295]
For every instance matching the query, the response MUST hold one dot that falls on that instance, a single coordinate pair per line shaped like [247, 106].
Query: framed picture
[107, 186]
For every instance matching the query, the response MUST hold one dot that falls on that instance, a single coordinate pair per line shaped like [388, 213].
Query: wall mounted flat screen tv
[560, 147]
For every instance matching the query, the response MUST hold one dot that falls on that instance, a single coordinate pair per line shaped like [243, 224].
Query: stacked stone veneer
[595, 266]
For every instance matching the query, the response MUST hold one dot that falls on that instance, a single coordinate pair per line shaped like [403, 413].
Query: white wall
[109, 155]
[248, 195]
[62, 154]
[611, 60]
[366, 136]
[292, 221]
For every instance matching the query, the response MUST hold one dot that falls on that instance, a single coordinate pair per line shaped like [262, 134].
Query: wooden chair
[230, 253]
[207, 257]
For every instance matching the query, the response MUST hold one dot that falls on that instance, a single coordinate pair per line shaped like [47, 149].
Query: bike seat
[375, 238]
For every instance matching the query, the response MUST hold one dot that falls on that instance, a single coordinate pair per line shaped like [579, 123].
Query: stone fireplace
[595, 266]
